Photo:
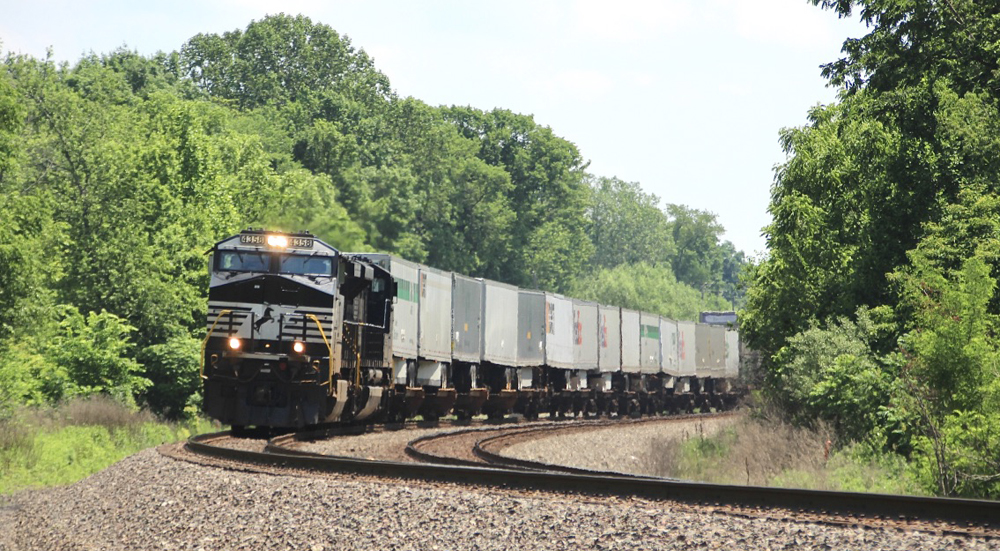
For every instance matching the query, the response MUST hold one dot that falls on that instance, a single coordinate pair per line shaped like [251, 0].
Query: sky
[685, 97]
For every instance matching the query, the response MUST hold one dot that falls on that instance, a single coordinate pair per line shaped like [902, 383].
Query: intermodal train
[299, 334]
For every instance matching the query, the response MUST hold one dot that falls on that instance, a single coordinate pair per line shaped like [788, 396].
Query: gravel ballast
[626, 448]
[149, 501]
[387, 445]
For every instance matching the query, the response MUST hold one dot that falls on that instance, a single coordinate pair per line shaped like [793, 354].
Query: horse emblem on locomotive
[299, 334]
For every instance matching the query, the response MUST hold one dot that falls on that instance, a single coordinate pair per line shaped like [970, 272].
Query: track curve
[936, 515]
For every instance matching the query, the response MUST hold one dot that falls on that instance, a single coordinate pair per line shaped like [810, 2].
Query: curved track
[937, 515]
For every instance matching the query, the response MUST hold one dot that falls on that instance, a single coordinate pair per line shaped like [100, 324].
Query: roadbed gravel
[151, 501]
[385, 445]
[626, 448]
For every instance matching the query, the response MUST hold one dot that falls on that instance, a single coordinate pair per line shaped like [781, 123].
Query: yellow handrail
[204, 343]
[326, 341]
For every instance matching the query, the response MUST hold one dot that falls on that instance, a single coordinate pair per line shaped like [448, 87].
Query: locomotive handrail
[329, 382]
[362, 324]
[204, 343]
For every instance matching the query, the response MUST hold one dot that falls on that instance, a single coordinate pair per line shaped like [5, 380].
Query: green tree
[285, 59]
[698, 258]
[912, 41]
[627, 225]
[11, 122]
[832, 374]
[95, 351]
[646, 287]
[549, 196]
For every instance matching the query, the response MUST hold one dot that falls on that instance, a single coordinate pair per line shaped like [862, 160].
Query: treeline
[877, 307]
[118, 172]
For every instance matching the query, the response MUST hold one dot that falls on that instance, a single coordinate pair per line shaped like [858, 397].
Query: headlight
[279, 241]
[234, 343]
[299, 347]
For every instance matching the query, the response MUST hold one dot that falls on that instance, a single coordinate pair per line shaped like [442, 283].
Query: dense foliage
[876, 306]
[117, 173]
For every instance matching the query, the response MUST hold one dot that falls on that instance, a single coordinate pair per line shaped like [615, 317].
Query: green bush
[172, 369]
[53, 446]
[832, 374]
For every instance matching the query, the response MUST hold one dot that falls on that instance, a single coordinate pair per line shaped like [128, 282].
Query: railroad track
[486, 466]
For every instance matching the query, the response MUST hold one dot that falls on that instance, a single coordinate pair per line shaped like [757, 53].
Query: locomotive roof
[258, 238]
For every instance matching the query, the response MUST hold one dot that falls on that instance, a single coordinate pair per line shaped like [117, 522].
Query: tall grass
[53, 446]
[766, 452]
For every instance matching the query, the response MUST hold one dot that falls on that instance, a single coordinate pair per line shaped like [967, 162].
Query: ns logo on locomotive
[299, 333]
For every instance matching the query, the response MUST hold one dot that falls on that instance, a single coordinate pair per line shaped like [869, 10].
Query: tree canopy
[118, 172]
[885, 215]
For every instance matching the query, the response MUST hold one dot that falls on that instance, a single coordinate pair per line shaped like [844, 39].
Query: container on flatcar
[668, 347]
[649, 342]
[686, 349]
[558, 331]
[703, 349]
[530, 328]
[585, 345]
[711, 350]
[499, 323]
[531, 335]
[467, 312]
[434, 327]
[717, 355]
[631, 353]
[609, 343]
[727, 318]
[609, 338]
[732, 355]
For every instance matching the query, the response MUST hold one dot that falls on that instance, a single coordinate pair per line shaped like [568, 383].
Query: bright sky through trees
[685, 97]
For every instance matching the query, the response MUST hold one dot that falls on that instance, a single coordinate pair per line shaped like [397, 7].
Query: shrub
[46, 446]
[172, 369]
[832, 374]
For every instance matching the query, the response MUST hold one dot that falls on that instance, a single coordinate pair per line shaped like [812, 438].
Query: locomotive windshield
[298, 264]
[242, 261]
[306, 265]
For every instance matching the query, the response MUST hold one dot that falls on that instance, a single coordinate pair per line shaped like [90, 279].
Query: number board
[252, 239]
[260, 240]
[300, 242]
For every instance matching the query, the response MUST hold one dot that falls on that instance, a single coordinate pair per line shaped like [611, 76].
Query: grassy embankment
[42, 447]
[763, 452]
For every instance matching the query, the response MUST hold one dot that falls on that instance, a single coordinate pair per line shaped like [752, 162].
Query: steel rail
[512, 430]
[482, 451]
[964, 512]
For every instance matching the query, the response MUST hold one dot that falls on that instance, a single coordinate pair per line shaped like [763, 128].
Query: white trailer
[649, 342]
[499, 323]
[631, 354]
[558, 331]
